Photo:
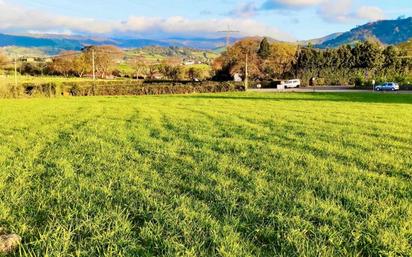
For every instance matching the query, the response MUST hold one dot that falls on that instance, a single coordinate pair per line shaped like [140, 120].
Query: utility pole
[15, 72]
[94, 72]
[228, 32]
[247, 72]
[15, 77]
[94, 66]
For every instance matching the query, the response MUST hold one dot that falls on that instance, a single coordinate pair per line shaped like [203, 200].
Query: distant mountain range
[388, 32]
[53, 44]
[320, 41]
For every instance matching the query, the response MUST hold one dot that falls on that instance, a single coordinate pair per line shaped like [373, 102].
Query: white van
[293, 83]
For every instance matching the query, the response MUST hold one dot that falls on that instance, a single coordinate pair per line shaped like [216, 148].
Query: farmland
[235, 174]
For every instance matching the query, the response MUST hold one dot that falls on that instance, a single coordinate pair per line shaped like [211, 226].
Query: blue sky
[281, 19]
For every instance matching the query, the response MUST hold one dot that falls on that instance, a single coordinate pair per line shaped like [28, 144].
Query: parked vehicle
[294, 83]
[387, 86]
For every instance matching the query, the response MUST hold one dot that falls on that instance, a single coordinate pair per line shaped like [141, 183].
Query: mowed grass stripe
[208, 175]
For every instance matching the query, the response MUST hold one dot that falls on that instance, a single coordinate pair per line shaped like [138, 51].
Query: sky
[287, 20]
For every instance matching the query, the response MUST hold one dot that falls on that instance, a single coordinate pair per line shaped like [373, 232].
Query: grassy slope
[155, 54]
[13, 51]
[203, 175]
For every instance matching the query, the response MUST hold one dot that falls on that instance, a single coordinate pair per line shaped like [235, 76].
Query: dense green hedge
[405, 83]
[109, 88]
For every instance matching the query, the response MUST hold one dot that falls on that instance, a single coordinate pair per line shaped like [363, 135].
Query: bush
[10, 91]
[116, 87]
[45, 89]
[5, 91]
[86, 89]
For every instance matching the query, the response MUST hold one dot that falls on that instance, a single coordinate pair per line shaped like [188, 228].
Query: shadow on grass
[318, 97]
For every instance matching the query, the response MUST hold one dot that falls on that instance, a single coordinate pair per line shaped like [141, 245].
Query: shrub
[150, 89]
[117, 87]
[44, 89]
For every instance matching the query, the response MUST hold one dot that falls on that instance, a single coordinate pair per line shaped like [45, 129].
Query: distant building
[36, 59]
[188, 62]
[27, 59]
[237, 77]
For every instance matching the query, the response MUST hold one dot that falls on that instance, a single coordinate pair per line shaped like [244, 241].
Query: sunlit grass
[239, 174]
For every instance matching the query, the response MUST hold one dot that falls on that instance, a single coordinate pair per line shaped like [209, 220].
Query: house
[27, 59]
[189, 62]
[237, 77]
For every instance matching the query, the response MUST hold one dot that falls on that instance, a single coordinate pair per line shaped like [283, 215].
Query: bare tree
[81, 65]
[3, 59]
[140, 66]
[105, 58]
[64, 63]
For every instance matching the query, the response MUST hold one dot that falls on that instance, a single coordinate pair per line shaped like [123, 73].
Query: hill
[406, 46]
[322, 40]
[155, 53]
[149, 53]
[389, 32]
[13, 51]
[56, 43]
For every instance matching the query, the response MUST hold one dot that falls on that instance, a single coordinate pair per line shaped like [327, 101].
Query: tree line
[109, 62]
[346, 64]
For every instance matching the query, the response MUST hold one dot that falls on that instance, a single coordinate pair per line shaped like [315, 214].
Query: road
[327, 89]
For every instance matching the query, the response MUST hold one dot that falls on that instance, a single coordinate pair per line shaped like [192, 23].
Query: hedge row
[404, 82]
[105, 88]
[357, 77]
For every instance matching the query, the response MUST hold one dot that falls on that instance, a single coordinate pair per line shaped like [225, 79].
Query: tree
[200, 72]
[3, 59]
[139, 65]
[391, 58]
[172, 72]
[406, 47]
[264, 49]
[234, 60]
[345, 59]
[153, 70]
[105, 58]
[64, 63]
[282, 57]
[308, 59]
[368, 55]
[81, 65]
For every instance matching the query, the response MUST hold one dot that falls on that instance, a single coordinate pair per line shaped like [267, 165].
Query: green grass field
[240, 174]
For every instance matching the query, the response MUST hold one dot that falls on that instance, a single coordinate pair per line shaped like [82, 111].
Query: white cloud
[182, 26]
[20, 19]
[336, 10]
[342, 11]
[370, 13]
[339, 11]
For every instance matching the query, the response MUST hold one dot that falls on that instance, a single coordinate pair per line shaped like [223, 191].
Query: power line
[228, 32]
